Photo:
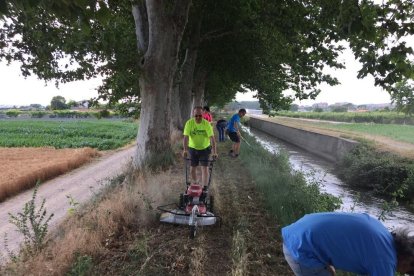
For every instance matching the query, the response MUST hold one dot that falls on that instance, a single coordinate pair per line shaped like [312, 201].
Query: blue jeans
[301, 270]
[220, 130]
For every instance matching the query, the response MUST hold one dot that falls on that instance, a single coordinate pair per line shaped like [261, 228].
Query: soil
[79, 185]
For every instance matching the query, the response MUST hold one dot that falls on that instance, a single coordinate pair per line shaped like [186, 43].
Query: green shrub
[13, 113]
[83, 266]
[32, 224]
[384, 173]
[38, 114]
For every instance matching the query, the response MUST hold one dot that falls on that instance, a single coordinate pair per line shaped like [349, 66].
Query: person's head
[404, 245]
[206, 108]
[242, 112]
[198, 114]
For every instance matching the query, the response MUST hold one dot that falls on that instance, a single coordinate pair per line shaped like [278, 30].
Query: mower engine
[195, 195]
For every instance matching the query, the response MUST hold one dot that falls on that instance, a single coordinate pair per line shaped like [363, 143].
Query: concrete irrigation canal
[315, 155]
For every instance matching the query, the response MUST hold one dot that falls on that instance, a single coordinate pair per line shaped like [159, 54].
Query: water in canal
[353, 200]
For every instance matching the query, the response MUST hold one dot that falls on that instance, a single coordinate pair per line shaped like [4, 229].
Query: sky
[17, 90]
[351, 89]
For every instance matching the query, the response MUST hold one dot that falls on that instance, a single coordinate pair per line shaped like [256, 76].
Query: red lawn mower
[195, 206]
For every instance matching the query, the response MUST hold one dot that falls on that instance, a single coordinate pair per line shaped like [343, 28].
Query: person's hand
[185, 153]
[331, 269]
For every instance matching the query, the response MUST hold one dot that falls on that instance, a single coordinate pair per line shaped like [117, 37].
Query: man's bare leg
[193, 174]
[204, 175]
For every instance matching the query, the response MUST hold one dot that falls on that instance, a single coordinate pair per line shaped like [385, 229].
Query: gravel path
[80, 184]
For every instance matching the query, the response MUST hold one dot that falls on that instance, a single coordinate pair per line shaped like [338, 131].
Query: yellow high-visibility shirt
[199, 134]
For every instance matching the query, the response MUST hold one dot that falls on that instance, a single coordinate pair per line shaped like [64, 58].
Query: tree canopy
[161, 53]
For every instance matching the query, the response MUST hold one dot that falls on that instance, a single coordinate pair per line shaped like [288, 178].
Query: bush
[13, 113]
[38, 114]
[32, 224]
[384, 173]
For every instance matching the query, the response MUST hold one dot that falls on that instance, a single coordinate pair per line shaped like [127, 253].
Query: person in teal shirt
[319, 243]
[233, 131]
[198, 143]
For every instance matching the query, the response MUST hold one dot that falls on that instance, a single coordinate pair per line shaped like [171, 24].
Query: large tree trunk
[176, 123]
[166, 24]
[186, 84]
[199, 85]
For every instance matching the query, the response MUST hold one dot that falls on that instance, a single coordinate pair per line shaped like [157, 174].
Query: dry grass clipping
[21, 168]
[127, 207]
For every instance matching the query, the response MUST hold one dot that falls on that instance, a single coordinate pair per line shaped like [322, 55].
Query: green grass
[99, 134]
[377, 117]
[287, 195]
[403, 133]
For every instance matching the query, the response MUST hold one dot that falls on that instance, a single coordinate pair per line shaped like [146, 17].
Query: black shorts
[234, 137]
[199, 156]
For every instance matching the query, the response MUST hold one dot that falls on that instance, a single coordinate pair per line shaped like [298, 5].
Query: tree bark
[166, 24]
[187, 74]
[200, 79]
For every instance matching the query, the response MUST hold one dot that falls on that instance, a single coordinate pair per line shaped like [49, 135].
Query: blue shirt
[234, 119]
[351, 242]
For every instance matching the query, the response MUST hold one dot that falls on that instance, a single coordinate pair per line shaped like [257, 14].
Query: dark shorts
[234, 137]
[199, 156]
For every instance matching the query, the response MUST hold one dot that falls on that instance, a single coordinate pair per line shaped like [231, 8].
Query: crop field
[403, 133]
[354, 117]
[21, 168]
[98, 134]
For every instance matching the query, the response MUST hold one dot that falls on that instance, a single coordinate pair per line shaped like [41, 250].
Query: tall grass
[102, 135]
[125, 205]
[286, 193]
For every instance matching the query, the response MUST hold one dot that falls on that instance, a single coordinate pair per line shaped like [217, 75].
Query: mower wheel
[181, 202]
[193, 231]
[211, 204]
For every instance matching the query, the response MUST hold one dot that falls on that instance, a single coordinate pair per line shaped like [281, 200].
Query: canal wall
[328, 147]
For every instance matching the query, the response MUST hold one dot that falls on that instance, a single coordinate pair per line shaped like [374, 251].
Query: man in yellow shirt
[199, 142]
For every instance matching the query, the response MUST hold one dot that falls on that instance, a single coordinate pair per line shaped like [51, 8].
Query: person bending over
[317, 244]
[233, 131]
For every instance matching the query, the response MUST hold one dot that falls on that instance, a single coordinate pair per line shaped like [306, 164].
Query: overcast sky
[16, 90]
[351, 89]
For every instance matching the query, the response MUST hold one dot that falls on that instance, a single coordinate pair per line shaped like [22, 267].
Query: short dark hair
[242, 110]
[206, 108]
[197, 107]
[404, 243]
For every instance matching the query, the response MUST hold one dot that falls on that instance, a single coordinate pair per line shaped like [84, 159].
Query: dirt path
[246, 243]
[80, 184]
[381, 142]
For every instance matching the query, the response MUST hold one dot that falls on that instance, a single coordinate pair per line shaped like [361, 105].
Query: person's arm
[185, 146]
[213, 146]
[331, 269]
[237, 127]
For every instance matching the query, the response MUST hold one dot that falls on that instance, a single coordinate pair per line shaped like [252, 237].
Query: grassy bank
[353, 117]
[403, 133]
[99, 134]
[287, 194]
[384, 173]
